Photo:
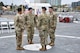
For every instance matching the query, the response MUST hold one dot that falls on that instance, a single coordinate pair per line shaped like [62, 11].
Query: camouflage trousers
[30, 33]
[19, 37]
[52, 34]
[43, 37]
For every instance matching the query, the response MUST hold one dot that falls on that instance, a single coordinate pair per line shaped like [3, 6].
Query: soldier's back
[19, 21]
[29, 19]
[43, 19]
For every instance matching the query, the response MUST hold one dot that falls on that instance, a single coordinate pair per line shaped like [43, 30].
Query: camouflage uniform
[29, 25]
[52, 26]
[19, 28]
[43, 28]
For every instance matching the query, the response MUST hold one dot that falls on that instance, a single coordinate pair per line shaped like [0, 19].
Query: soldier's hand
[54, 27]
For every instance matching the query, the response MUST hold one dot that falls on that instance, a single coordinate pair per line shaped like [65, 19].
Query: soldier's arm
[25, 19]
[16, 21]
[48, 21]
[35, 19]
[55, 21]
[39, 21]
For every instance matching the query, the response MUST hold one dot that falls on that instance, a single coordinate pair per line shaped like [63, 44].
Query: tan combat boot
[30, 42]
[51, 43]
[20, 48]
[43, 48]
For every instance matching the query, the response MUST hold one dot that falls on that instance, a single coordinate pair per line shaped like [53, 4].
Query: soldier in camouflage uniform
[52, 25]
[29, 25]
[19, 28]
[43, 28]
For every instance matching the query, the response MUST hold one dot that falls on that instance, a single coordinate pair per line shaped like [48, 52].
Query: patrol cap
[44, 8]
[19, 9]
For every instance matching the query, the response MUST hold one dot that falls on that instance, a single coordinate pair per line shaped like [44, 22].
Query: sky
[69, 1]
[18, 2]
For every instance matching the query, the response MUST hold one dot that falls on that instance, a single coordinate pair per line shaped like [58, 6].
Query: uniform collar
[19, 14]
[51, 13]
[29, 13]
[43, 12]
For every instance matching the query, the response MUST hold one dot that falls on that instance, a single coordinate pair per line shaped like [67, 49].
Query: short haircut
[30, 8]
[19, 9]
[44, 8]
[51, 7]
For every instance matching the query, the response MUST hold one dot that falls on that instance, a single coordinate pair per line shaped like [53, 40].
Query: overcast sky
[22, 1]
[68, 1]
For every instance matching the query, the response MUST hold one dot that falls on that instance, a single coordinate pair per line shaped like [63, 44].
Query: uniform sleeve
[35, 19]
[25, 19]
[48, 22]
[55, 20]
[39, 21]
[16, 21]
